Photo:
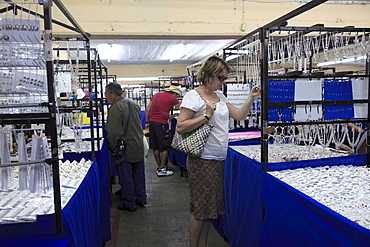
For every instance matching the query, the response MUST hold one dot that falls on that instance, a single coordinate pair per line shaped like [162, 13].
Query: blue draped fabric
[295, 219]
[71, 156]
[142, 119]
[81, 216]
[264, 211]
[242, 221]
[39, 240]
[103, 160]
[85, 218]
[177, 157]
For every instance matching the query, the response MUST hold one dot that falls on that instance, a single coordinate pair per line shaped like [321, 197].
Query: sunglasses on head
[222, 78]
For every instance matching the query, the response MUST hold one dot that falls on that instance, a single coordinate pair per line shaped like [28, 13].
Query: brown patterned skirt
[206, 182]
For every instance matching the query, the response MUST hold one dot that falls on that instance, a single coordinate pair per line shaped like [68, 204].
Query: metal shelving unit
[269, 49]
[44, 111]
[92, 76]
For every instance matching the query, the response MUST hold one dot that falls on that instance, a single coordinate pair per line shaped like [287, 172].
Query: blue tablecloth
[86, 217]
[243, 217]
[142, 119]
[177, 158]
[295, 219]
[71, 156]
[39, 240]
[264, 211]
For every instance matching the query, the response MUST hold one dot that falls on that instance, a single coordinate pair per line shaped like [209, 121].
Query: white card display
[64, 82]
[360, 89]
[306, 89]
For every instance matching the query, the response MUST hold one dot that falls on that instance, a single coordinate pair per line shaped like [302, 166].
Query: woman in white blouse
[201, 105]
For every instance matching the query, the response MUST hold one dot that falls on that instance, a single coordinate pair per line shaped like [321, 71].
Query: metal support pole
[96, 109]
[91, 108]
[52, 113]
[102, 101]
[368, 111]
[264, 93]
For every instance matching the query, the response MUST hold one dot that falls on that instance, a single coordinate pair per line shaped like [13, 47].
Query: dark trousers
[132, 181]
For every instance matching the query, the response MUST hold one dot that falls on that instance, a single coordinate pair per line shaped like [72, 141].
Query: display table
[86, 217]
[264, 211]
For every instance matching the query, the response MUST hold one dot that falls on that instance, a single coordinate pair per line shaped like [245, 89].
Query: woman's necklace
[209, 97]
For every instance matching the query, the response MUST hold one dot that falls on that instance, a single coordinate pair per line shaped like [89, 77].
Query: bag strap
[201, 96]
[128, 119]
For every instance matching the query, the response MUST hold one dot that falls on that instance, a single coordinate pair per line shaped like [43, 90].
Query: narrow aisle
[165, 220]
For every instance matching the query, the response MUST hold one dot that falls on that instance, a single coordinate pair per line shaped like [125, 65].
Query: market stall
[261, 210]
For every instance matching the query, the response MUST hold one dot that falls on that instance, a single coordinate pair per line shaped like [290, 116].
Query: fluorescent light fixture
[149, 78]
[109, 51]
[232, 57]
[347, 60]
[137, 78]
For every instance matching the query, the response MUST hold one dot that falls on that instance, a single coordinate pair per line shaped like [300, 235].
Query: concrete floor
[165, 220]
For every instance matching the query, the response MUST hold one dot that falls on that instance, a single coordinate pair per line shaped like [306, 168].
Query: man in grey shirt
[130, 166]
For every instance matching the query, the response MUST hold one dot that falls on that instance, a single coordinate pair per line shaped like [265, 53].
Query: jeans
[132, 181]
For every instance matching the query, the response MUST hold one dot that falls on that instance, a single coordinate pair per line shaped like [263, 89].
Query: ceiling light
[178, 51]
[231, 57]
[137, 78]
[109, 51]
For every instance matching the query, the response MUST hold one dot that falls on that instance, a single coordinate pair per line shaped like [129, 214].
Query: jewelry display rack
[142, 95]
[278, 58]
[139, 94]
[166, 81]
[161, 83]
[26, 52]
[295, 50]
[87, 73]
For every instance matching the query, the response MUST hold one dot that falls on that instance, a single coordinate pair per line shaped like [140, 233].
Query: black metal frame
[50, 117]
[263, 37]
[92, 76]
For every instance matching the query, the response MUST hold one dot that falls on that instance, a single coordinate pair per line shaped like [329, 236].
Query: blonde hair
[212, 67]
